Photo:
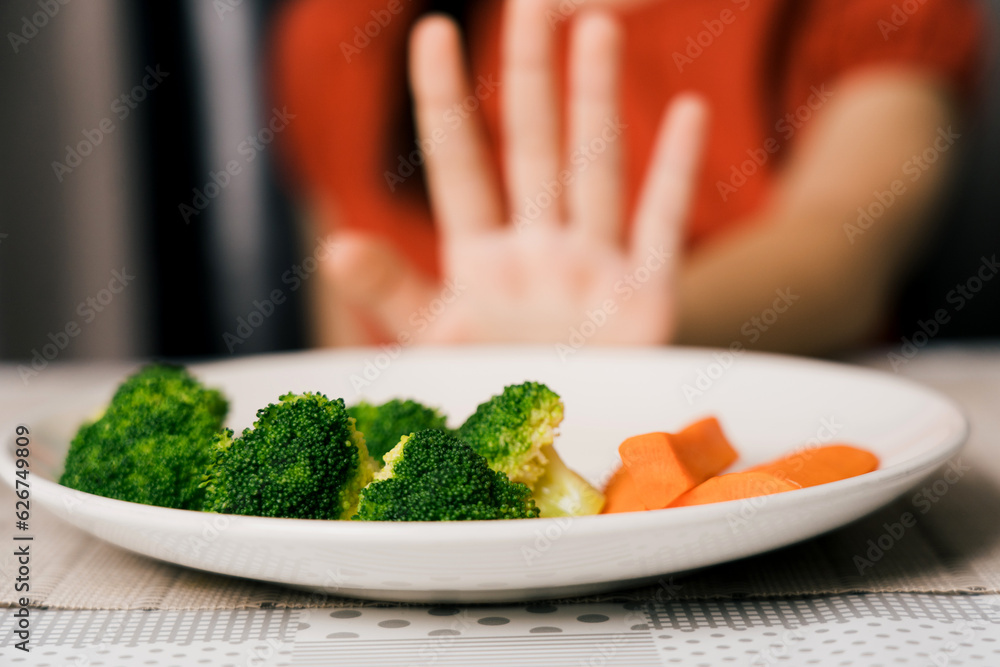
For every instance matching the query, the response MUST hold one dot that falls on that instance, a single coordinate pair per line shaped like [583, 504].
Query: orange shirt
[765, 66]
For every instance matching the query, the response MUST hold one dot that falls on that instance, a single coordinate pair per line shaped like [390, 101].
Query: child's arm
[882, 143]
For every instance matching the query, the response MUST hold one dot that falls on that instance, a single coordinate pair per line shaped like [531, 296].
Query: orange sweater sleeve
[942, 37]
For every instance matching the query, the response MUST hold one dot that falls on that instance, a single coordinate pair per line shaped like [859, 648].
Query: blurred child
[760, 172]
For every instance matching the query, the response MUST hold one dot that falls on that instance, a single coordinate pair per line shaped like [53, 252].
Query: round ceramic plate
[768, 405]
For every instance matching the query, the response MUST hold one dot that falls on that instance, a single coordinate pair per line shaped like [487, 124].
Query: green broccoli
[433, 476]
[515, 431]
[383, 425]
[152, 443]
[302, 459]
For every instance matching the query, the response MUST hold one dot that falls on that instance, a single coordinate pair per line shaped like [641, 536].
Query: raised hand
[545, 254]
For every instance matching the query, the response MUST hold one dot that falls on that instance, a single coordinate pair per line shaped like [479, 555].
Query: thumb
[373, 277]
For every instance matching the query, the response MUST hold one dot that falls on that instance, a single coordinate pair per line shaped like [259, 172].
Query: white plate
[768, 405]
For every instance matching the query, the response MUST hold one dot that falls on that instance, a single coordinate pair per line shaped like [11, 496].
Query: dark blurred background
[133, 142]
[193, 79]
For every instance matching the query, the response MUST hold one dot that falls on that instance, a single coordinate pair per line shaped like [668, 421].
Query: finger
[530, 125]
[668, 188]
[371, 277]
[462, 184]
[595, 198]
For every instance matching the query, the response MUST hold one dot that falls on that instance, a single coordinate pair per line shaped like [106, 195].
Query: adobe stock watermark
[454, 117]
[624, 289]
[952, 647]
[912, 169]
[561, 12]
[121, 107]
[787, 127]
[334, 580]
[957, 298]
[606, 652]
[293, 279]
[557, 527]
[47, 10]
[714, 28]
[752, 329]
[264, 653]
[431, 650]
[363, 35]
[798, 459]
[544, 539]
[72, 499]
[194, 544]
[419, 321]
[580, 160]
[249, 149]
[923, 501]
[93, 654]
[223, 7]
[778, 652]
[900, 16]
[88, 310]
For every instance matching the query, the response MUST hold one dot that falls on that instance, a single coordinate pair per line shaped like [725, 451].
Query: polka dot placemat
[847, 631]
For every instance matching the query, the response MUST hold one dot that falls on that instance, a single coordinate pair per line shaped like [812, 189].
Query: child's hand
[537, 263]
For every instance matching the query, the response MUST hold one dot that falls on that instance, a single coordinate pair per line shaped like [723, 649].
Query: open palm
[548, 261]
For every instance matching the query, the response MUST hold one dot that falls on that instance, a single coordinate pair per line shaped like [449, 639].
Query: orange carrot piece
[734, 486]
[705, 449]
[821, 465]
[621, 495]
[663, 466]
[653, 463]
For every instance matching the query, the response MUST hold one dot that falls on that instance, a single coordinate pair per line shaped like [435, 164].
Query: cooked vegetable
[662, 466]
[433, 476]
[821, 465]
[682, 470]
[621, 494]
[152, 443]
[383, 425]
[515, 431]
[160, 442]
[302, 459]
[705, 448]
[734, 486]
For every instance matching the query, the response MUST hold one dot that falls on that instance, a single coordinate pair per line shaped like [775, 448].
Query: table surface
[862, 630]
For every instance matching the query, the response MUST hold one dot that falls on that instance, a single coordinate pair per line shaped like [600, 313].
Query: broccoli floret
[303, 459]
[515, 431]
[383, 425]
[433, 476]
[152, 443]
[511, 429]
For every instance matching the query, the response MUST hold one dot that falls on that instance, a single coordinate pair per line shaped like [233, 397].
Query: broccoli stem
[562, 492]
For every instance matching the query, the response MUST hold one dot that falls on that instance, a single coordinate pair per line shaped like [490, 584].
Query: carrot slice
[621, 495]
[663, 466]
[705, 449]
[734, 486]
[653, 462]
[821, 465]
